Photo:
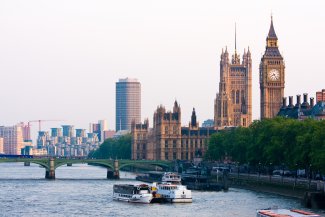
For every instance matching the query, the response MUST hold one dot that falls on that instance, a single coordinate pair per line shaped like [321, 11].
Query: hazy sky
[60, 59]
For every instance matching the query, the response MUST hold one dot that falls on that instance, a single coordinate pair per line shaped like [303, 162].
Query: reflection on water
[83, 190]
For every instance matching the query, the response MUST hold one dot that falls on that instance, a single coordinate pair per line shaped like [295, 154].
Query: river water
[83, 190]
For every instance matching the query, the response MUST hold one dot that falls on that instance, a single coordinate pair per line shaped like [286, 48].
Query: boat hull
[134, 198]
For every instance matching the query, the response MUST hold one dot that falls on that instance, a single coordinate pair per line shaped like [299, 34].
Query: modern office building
[320, 96]
[12, 139]
[128, 103]
[272, 77]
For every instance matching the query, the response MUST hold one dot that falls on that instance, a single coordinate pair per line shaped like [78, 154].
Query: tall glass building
[128, 103]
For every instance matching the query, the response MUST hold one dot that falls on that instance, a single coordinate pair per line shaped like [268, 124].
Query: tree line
[114, 148]
[278, 141]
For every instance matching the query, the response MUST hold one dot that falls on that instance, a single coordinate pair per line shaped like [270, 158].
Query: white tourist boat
[170, 177]
[174, 193]
[284, 213]
[132, 193]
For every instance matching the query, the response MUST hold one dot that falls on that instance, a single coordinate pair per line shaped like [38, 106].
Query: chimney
[312, 102]
[290, 102]
[298, 100]
[305, 104]
[305, 97]
[284, 102]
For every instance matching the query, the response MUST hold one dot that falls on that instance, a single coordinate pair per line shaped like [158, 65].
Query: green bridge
[113, 166]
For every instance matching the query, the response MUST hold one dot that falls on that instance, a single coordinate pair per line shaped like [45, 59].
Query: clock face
[274, 75]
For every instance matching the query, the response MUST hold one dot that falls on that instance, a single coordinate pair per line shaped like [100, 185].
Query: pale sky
[60, 59]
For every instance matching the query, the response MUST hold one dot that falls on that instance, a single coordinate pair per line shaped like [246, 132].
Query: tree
[119, 148]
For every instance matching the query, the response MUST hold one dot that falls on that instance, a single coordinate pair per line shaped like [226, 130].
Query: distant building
[302, 110]
[43, 139]
[68, 130]
[167, 140]
[103, 127]
[26, 131]
[81, 133]
[320, 96]
[99, 129]
[12, 139]
[128, 103]
[109, 134]
[1, 146]
[56, 132]
[208, 123]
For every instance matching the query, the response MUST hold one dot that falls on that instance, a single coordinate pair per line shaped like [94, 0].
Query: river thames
[83, 190]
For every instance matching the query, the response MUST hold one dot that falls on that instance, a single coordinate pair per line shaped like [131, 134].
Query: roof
[272, 52]
[272, 34]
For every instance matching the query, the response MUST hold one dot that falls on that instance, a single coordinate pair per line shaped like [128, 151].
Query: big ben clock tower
[272, 77]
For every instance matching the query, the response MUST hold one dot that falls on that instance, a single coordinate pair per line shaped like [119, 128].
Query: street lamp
[237, 170]
[259, 170]
[296, 166]
[282, 172]
[309, 174]
[270, 171]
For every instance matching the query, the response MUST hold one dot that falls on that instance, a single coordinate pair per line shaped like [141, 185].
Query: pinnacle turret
[272, 34]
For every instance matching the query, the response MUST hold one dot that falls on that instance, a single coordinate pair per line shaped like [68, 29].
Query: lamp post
[309, 175]
[259, 171]
[282, 172]
[270, 171]
[237, 170]
[296, 175]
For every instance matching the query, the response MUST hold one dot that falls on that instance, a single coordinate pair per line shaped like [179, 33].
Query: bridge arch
[163, 165]
[101, 163]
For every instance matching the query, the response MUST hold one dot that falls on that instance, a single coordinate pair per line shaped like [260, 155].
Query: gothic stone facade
[233, 104]
[272, 77]
[168, 140]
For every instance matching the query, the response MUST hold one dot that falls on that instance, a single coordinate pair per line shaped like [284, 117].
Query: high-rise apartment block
[56, 132]
[12, 139]
[272, 77]
[128, 103]
[320, 96]
[68, 130]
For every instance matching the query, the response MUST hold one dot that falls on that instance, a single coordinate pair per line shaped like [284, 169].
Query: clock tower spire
[272, 76]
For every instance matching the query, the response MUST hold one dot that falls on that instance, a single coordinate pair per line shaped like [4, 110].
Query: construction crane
[39, 123]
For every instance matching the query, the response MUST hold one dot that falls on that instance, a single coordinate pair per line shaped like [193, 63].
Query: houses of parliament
[168, 140]
[233, 104]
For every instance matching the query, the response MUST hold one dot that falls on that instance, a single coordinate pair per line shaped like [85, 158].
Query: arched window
[242, 96]
[233, 96]
[237, 97]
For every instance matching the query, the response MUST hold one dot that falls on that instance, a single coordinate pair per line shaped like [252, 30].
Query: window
[237, 97]
[174, 143]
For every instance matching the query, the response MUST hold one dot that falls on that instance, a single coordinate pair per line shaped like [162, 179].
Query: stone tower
[272, 77]
[233, 104]
[167, 133]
